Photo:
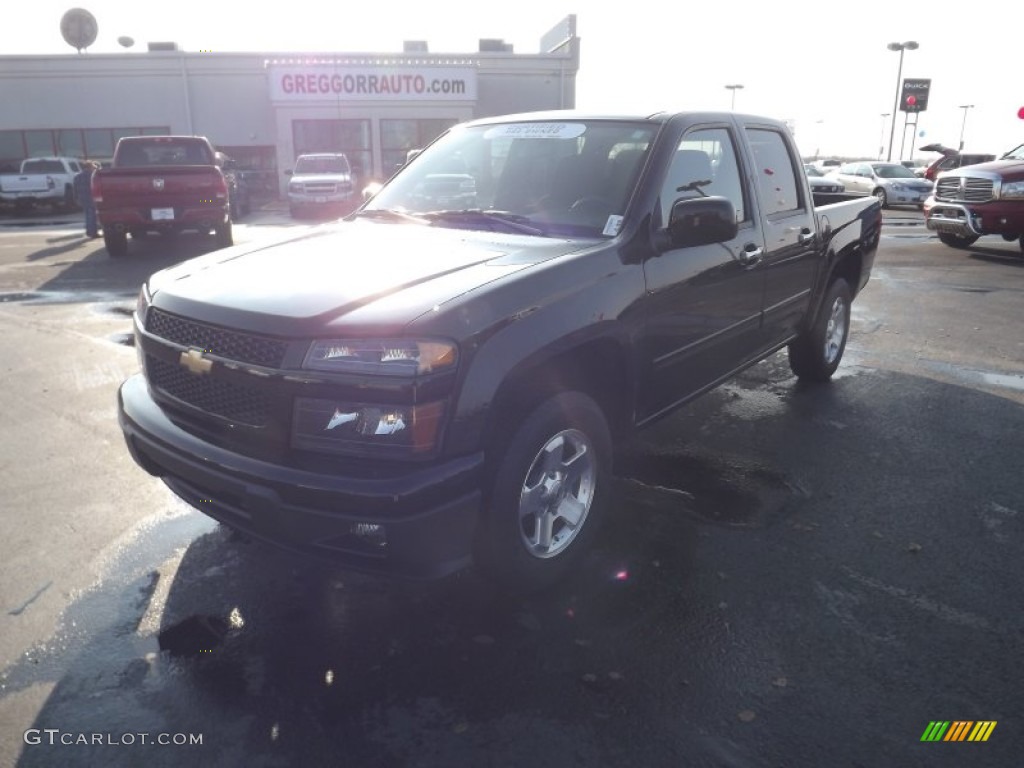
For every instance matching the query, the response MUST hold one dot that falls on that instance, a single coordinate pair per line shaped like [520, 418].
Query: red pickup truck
[165, 184]
[985, 199]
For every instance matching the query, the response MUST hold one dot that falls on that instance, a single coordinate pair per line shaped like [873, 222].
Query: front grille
[975, 190]
[231, 345]
[236, 403]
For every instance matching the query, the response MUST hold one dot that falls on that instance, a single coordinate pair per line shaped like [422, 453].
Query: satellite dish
[125, 41]
[78, 28]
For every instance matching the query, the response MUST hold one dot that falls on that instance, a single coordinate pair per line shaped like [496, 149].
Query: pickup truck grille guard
[953, 219]
[231, 345]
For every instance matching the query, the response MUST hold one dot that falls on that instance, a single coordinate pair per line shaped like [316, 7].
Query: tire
[882, 197]
[815, 354]
[1022, 243]
[548, 494]
[116, 243]
[957, 241]
[222, 234]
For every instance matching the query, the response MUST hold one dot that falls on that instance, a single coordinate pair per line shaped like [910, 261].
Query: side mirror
[702, 221]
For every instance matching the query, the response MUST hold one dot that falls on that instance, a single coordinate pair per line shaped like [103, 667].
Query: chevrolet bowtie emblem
[195, 362]
[158, 183]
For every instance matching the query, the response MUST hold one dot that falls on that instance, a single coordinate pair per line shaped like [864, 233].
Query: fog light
[370, 533]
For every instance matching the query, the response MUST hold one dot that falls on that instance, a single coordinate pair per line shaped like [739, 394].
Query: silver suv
[321, 181]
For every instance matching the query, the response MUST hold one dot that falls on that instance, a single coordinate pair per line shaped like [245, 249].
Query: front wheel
[815, 354]
[957, 241]
[882, 197]
[548, 494]
[116, 243]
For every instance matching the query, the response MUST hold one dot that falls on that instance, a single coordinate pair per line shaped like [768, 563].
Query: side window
[704, 165]
[773, 167]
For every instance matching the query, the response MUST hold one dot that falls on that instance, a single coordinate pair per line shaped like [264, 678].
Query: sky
[822, 65]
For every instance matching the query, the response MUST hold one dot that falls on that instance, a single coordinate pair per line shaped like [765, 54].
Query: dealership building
[265, 109]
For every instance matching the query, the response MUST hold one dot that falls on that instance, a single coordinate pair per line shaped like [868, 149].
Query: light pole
[963, 125]
[909, 45]
[817, 149]
[881, 136]
[734, 87]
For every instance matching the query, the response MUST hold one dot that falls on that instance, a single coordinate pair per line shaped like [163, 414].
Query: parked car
[165, 184]
[41, 180]
[976, 200]
[321, 182]
[891, 183]
[823, 184]
[952, 159]
[417, 387]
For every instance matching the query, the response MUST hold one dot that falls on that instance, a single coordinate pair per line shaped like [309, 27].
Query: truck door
[703, 304]
[791, 238]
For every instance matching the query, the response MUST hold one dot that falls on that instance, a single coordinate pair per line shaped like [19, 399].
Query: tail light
[94, 189]
[222, 187]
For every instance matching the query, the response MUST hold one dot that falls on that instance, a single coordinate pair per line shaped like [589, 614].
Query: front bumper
[998, 217]
[428, 512]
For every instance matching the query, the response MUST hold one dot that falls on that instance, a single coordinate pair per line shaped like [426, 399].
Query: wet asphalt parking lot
[793, 576]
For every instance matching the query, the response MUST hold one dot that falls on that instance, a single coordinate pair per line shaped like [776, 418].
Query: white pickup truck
[46, 180]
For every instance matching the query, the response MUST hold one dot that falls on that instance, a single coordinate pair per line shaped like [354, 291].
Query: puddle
[733, 494]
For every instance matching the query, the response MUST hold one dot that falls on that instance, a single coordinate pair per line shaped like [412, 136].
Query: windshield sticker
[612, 226]
[536, 131]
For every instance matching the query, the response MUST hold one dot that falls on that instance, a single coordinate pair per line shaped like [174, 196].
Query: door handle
[751, 255]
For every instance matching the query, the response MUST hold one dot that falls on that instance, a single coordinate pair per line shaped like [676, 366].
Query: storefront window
[70, 143]
[12, 151]
[349, 136]
[39, 143]
[99, 142]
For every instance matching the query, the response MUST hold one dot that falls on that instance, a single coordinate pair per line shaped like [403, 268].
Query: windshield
[322, 165]
[1016, 153]
[573, 178]
[810, 170]
[893, 171]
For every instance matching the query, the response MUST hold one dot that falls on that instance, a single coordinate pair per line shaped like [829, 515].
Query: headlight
[366, 428]
[142, 305]
[898, 187]
[381, 357]
[1012, 189]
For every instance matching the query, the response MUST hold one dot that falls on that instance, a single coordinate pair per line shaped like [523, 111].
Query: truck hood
[1007, 169]
[301, 284]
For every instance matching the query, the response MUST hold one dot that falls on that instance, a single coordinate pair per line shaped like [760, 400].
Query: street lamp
[817, 149]
[734, 87]
[909, 45]
[963, 125]
[881, 136]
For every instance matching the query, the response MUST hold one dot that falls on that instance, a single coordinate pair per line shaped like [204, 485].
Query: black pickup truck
[438, 379]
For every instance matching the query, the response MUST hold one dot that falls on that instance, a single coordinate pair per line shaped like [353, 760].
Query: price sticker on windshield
[536, 131]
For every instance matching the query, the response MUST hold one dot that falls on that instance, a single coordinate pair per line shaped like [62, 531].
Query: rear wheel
[815, 355]
[548, 494]
[957, 241]
[116, 243]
